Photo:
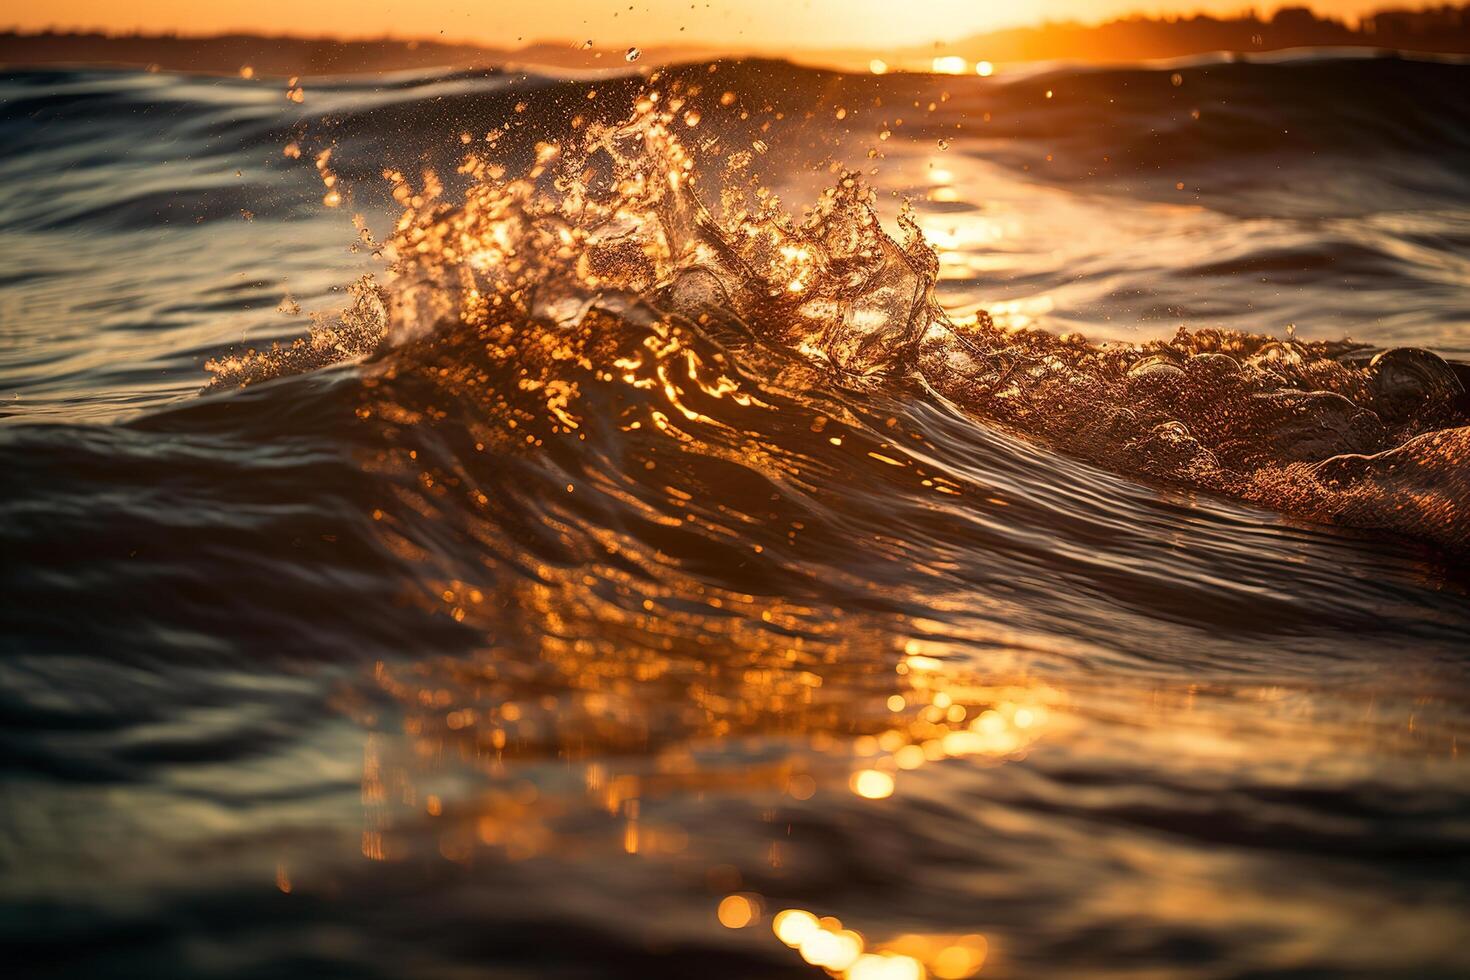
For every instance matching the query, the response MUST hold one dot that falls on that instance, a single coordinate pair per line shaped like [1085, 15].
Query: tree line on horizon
[1443, 29]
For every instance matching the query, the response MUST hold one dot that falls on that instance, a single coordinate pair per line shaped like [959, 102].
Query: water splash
[622, 214]
[334, 337]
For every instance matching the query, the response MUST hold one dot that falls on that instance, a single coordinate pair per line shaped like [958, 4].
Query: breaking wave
[609, 231]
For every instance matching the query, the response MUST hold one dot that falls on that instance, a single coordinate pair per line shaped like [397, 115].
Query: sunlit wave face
[642, 676]
[617, 679]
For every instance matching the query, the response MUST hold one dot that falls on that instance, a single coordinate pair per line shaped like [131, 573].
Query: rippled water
[617, 574]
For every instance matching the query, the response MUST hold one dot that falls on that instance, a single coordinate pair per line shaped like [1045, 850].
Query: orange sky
[745, 23]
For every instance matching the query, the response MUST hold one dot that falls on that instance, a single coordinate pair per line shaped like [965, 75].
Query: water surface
[585, 638]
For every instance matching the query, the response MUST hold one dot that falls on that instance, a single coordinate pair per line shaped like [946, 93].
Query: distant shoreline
[1443, 30]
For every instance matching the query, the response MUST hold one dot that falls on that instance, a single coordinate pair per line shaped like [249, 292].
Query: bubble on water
[1409, 381]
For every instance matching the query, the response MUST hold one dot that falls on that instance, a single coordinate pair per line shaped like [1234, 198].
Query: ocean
[737, 519]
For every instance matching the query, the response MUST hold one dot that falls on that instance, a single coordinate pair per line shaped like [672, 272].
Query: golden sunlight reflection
[824, 942]
[802, 696]
[872, 784]
[738, 911]
[648, 706]
[1021, 313]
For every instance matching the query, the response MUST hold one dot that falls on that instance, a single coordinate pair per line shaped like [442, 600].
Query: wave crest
[617, 219]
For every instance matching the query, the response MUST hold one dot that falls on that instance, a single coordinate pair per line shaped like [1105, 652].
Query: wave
[614, 224]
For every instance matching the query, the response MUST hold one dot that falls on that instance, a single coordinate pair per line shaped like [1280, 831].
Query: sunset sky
[746, 23]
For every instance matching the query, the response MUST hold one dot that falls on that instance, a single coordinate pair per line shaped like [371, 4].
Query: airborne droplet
[633, 54]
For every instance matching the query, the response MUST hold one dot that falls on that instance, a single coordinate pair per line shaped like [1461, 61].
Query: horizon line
[1247, 12]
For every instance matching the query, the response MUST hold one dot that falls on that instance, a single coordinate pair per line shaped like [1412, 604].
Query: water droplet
[633, 54]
